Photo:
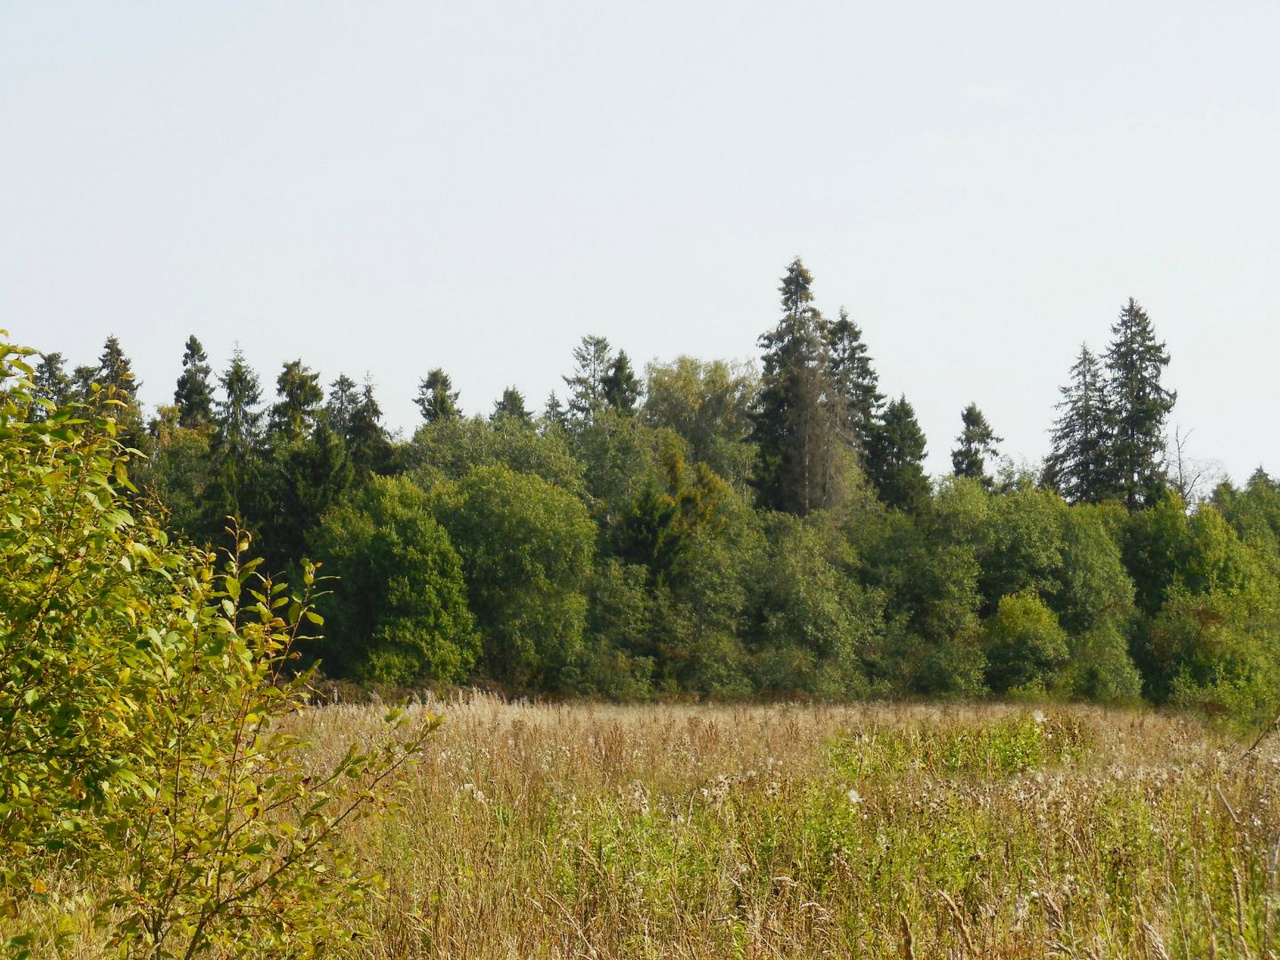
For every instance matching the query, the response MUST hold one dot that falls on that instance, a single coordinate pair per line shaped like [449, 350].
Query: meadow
[811, 831]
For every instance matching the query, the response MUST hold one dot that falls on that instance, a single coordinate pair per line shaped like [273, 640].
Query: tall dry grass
[541, 831]
[801, 831]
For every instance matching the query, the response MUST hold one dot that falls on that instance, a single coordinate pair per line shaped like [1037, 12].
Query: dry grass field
[799, 831]
[789, 831]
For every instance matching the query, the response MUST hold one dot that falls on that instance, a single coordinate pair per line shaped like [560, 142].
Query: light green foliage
[401, 615]
[145, 701]
[1024, 644]
[526, 549]
[449, 449]
[708, 405]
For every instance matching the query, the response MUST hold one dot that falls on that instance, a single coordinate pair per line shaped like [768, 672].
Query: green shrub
[144, 696]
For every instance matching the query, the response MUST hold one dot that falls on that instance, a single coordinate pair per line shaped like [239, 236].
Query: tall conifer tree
[854, 381]
[436, 398]
[795, 425]
[620, 385]
[294, 414]
[895, 461]
[1138, 405]
[193, 395]
[976, 442]
[1079, 466]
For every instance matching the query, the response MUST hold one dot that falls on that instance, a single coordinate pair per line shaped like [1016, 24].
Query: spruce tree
[236, 445]
[368, 445]
[343, 398]
[194, 393]
[1138, 405]
[621, 385]
[510, 408]
[794, 422]
[436, 398]
[1079, 466]
[554, 414]
[593, 361]
[115, 371]
[854, 381]
[977, 441]
[114, 375]
[895, 460]
[294, 414]
[50, 383]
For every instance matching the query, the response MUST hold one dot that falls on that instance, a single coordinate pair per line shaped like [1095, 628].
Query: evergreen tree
[794, 425]
[82, 380]
[115, 370]
[854, 381]
[554, 414]
[1138, 405]
[114, 375]
[343, 398]
[367, 442]
[621, 385]
[593, 362]
[1079, 465]
[294, 414]
[895, 460]
[977, 441]
[236, 444]
[511, 408]
[194, 394]
[50, 383]
[436, 397]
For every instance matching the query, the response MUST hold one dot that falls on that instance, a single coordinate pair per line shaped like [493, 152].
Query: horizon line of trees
[716, 530]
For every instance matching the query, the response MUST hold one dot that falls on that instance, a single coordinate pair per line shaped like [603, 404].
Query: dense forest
[711, 528]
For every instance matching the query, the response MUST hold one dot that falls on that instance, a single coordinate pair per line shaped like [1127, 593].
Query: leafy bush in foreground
[144, 703]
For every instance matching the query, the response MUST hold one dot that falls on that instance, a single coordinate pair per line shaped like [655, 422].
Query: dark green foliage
[50, 385]
[734, 535]
[621, 386]
[895, 458]
[796, 424]
[236, 446]
[1138, 406]
[814, 624]
[977, 442]
[436, 397]
[854, 381]
[368, 445]
[339, 409]
[400, 615]
[526, 548]
[193, 395]
[511, 405]
[1079, 467]
[295, 412]
[116, 395]
[303, 479]
[593, 362]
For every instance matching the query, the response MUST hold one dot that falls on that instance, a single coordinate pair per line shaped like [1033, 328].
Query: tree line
[721, 529]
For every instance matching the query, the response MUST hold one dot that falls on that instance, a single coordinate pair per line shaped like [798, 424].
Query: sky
[381, 188]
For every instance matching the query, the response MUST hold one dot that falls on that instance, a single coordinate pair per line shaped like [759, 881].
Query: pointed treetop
[194, 393]
[511, 408]
[436, 398]
[977, 441]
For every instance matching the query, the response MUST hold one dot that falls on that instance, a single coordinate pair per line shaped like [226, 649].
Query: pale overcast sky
[384, 187]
